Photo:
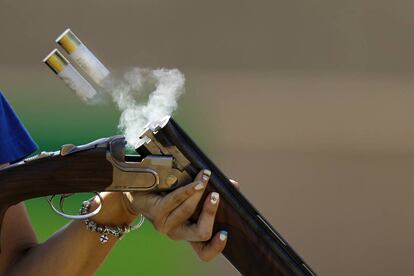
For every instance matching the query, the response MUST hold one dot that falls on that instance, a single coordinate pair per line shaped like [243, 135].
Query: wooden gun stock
[85, 171]
[253, 246]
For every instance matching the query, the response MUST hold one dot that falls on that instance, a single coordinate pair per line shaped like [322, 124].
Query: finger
[202, 230]
[235, 184]
[206, 219]
[183, 212]
[177, 197]
[207, 251]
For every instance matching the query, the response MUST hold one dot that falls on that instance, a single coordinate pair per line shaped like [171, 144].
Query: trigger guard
[74, 217]
[62, 200]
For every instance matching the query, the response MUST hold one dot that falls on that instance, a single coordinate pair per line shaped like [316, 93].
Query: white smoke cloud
[144, 96]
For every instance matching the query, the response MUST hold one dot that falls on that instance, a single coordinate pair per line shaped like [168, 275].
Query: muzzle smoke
[144, 96]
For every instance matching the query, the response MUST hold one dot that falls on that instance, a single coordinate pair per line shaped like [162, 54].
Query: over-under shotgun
[167, 158]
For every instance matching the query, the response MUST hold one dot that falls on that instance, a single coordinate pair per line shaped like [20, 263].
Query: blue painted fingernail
[223, 235]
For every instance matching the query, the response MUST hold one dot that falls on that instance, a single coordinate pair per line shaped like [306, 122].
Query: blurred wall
[307, 103]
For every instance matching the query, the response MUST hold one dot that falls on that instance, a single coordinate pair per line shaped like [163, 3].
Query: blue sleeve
[15, 141]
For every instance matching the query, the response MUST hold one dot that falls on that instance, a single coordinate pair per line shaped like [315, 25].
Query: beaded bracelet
[105, 230]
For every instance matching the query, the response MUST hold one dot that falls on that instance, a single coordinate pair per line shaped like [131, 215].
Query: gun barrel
[253, 247]
[81, 54]
[62, 67]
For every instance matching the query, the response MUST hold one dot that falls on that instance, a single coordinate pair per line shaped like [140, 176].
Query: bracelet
[105, 230]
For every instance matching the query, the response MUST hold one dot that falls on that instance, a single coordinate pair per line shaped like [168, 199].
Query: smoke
[144, 96]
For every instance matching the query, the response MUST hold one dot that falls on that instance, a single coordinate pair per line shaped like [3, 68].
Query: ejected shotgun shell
[61, 66]
[83, 56]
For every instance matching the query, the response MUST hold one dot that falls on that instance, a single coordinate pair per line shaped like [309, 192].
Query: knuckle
[161, 228]
[204, 235]
[187, 211]
[158, 219]
[204, 257]
[176, 198]
[188, 190]
[157, 227]
[172, 236]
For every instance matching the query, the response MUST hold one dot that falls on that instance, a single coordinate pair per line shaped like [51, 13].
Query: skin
[22, 254]
[169, 214]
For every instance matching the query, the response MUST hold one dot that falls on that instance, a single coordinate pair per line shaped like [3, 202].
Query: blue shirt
[15, 141]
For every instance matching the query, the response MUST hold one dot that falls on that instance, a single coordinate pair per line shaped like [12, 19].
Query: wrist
[114, 210]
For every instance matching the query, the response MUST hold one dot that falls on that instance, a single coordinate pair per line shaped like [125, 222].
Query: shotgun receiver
[167, 158]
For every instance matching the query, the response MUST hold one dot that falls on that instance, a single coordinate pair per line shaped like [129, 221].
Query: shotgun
[166, 159]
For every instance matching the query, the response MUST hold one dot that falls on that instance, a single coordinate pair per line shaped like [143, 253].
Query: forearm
[73, 250]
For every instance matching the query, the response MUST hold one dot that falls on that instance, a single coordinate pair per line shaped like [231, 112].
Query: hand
[170, 213]
[203, 249]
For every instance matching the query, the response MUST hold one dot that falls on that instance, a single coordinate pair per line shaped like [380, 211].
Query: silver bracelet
[105, 230]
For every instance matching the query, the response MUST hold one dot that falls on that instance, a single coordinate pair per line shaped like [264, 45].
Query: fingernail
[205, 177]
[199, 186]
[214, 198]
[207, 172]
[223, 235]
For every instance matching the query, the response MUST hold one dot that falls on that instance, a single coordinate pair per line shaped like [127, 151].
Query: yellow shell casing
[69, 41]
[56, 61]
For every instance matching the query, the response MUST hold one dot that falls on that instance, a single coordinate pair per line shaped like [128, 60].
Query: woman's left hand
[170, 215]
